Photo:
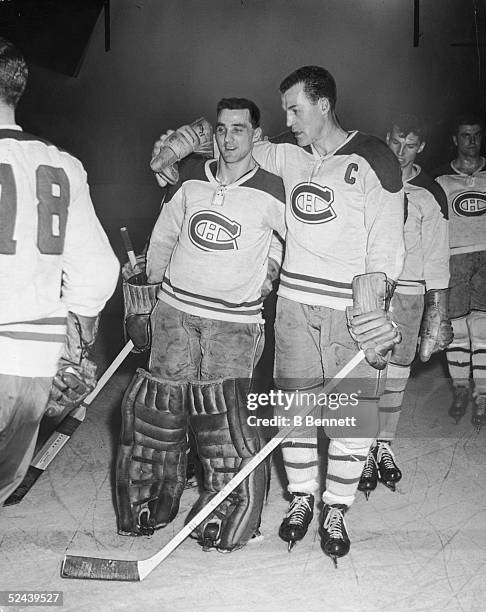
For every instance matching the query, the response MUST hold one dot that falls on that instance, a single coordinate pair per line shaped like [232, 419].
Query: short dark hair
[409, 124]
[468, 118]
[13, 73]
[318, 83]
[241, 104]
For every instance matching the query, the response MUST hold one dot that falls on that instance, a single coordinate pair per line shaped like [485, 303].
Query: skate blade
[334, 560]
[390, 485]
[290, 545]
[367, 495]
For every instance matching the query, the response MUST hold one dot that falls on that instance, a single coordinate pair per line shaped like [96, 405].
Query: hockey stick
[94, 568]
[127, 243]
[62, 433]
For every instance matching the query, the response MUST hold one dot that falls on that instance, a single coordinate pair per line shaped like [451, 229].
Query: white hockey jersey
[54, 254]
[344, 213]
[426, 236]
[210, 244]
[466, 197]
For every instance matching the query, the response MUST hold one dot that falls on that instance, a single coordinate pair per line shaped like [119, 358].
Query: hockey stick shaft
[111, 569]
[57, 440]
[127, 243]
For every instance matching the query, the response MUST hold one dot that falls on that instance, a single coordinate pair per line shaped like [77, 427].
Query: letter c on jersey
[311, 203]
[470, 204]
[212, 231]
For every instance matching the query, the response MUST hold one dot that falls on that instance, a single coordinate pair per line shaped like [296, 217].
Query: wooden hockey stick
[127, 243]
[56, 441]
[94, 568]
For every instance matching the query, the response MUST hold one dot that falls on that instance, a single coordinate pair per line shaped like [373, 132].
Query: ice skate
[369, 476]
[296, 522]
[334, 536]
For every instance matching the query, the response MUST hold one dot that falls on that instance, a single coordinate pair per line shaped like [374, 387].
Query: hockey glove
[369, 323]
[436, 329]
[76, 376]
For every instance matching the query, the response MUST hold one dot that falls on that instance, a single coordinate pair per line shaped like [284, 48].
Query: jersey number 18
[52, 191]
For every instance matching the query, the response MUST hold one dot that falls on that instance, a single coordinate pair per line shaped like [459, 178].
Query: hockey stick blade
[56, 441]
[96, 568]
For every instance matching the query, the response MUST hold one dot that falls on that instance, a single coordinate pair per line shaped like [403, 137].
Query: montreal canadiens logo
[311, 203]
[212, 231]
[470, 204]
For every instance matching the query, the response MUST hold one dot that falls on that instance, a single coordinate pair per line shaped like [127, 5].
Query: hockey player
[214, 253]
[426, 270]
[344, 213]
[50, 242]
[464, 181]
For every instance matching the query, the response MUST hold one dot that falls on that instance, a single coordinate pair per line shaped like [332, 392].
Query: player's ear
[324, 105]
[421, 147]
[257, 134]
[387, 139]
[454, 140]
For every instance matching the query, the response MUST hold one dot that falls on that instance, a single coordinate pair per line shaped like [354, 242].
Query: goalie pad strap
[151, 462]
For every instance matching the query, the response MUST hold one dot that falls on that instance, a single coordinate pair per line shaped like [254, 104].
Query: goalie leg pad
[225, 444]
[151, 462]
[139, 299]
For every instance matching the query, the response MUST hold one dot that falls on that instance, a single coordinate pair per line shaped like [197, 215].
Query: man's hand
[167, 176]
[375, 333]
[172, 146]
[76, 375]
[436, 330]
[128, 271]
[369, 323]
[70, 386]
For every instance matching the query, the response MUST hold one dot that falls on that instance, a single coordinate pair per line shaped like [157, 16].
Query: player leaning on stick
[344, 214]
[464, 181]
[214, 252]
[50, 242]
[426, 270]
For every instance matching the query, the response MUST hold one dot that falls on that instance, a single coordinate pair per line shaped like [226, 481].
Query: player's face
[406, 148]
[304, 118]
[235, 134]
[468, 140]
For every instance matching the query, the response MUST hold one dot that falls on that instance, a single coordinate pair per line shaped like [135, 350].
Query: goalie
[215, 255]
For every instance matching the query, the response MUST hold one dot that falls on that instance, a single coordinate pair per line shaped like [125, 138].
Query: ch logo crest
[311, 203]
[470, 204]
[212, 231]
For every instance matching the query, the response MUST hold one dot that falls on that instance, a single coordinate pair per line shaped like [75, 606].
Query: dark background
[171, 60]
